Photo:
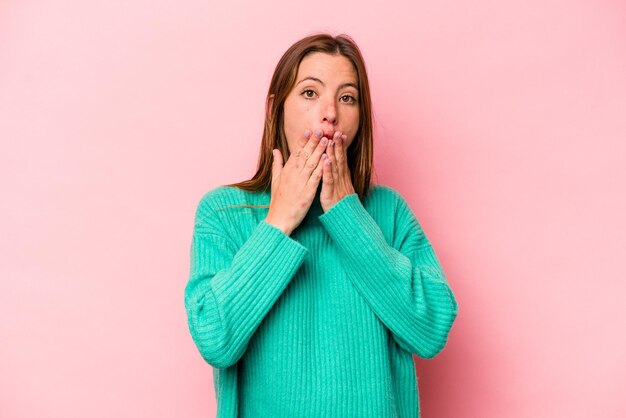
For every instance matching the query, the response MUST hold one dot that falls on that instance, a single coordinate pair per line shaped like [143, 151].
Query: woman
[310, 298]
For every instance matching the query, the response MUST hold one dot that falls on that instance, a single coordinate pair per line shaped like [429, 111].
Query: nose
[329, 113]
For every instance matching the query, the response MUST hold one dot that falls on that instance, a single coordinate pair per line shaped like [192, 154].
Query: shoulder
[220, 195]
[401, 212]
[218, 198]
[387, 196]
[223, 196]
[384, 191]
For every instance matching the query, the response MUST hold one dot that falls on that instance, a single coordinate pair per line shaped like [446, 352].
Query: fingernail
[318, 133]
[323, 141]
[324, 156]
[344, 136]
[307, 134]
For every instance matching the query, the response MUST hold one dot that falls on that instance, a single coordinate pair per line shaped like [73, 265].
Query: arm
[230, 290]
[403, 284]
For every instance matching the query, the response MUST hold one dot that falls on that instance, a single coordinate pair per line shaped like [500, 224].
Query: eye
[350, 98]
[308, 91]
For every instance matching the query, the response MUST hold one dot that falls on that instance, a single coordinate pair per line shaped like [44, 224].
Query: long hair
[360, 151]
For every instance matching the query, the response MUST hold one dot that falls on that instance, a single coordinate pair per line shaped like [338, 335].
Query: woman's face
[325, 97]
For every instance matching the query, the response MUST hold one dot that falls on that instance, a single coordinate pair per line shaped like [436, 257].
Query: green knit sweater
[322, 322]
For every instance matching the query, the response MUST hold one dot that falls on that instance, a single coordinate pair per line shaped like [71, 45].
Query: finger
[344, 148]
[316, 175]
[304, 138]
[333, 153]
[313, 161]
[328, 180]
[301, 143]
[277, 164]
[340, 150]
[305, 152]
[334, 167]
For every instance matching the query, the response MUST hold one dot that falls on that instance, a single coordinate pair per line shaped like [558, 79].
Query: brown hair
[360, 152]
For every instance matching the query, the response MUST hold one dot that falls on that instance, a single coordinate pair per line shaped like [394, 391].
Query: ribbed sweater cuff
[226, 310]
[260, 269]
[354, 230]
[385, 278]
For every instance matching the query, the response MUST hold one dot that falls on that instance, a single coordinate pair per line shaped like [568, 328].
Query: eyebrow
[322, 83]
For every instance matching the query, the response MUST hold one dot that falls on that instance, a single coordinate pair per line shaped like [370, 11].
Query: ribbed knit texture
[322, 322]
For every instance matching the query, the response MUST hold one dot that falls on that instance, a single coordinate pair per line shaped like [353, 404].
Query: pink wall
[504, 125]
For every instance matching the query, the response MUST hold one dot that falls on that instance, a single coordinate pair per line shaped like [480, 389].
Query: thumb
[277, 164]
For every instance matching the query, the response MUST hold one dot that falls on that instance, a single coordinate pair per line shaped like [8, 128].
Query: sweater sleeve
[231, 288]
[403, 283]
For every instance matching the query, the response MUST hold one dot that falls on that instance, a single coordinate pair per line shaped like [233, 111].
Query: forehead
[327, 67]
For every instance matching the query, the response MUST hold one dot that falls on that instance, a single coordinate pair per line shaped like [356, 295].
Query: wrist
[285, 229]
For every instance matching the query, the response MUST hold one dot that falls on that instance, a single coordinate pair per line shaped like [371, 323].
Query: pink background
[503, 125]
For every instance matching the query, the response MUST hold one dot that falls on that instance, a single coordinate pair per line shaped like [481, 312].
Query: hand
[294, 186]
[336, 181]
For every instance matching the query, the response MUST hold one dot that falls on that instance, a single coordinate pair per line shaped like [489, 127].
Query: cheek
[352, 122]
[295, 123]
[297, 113]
